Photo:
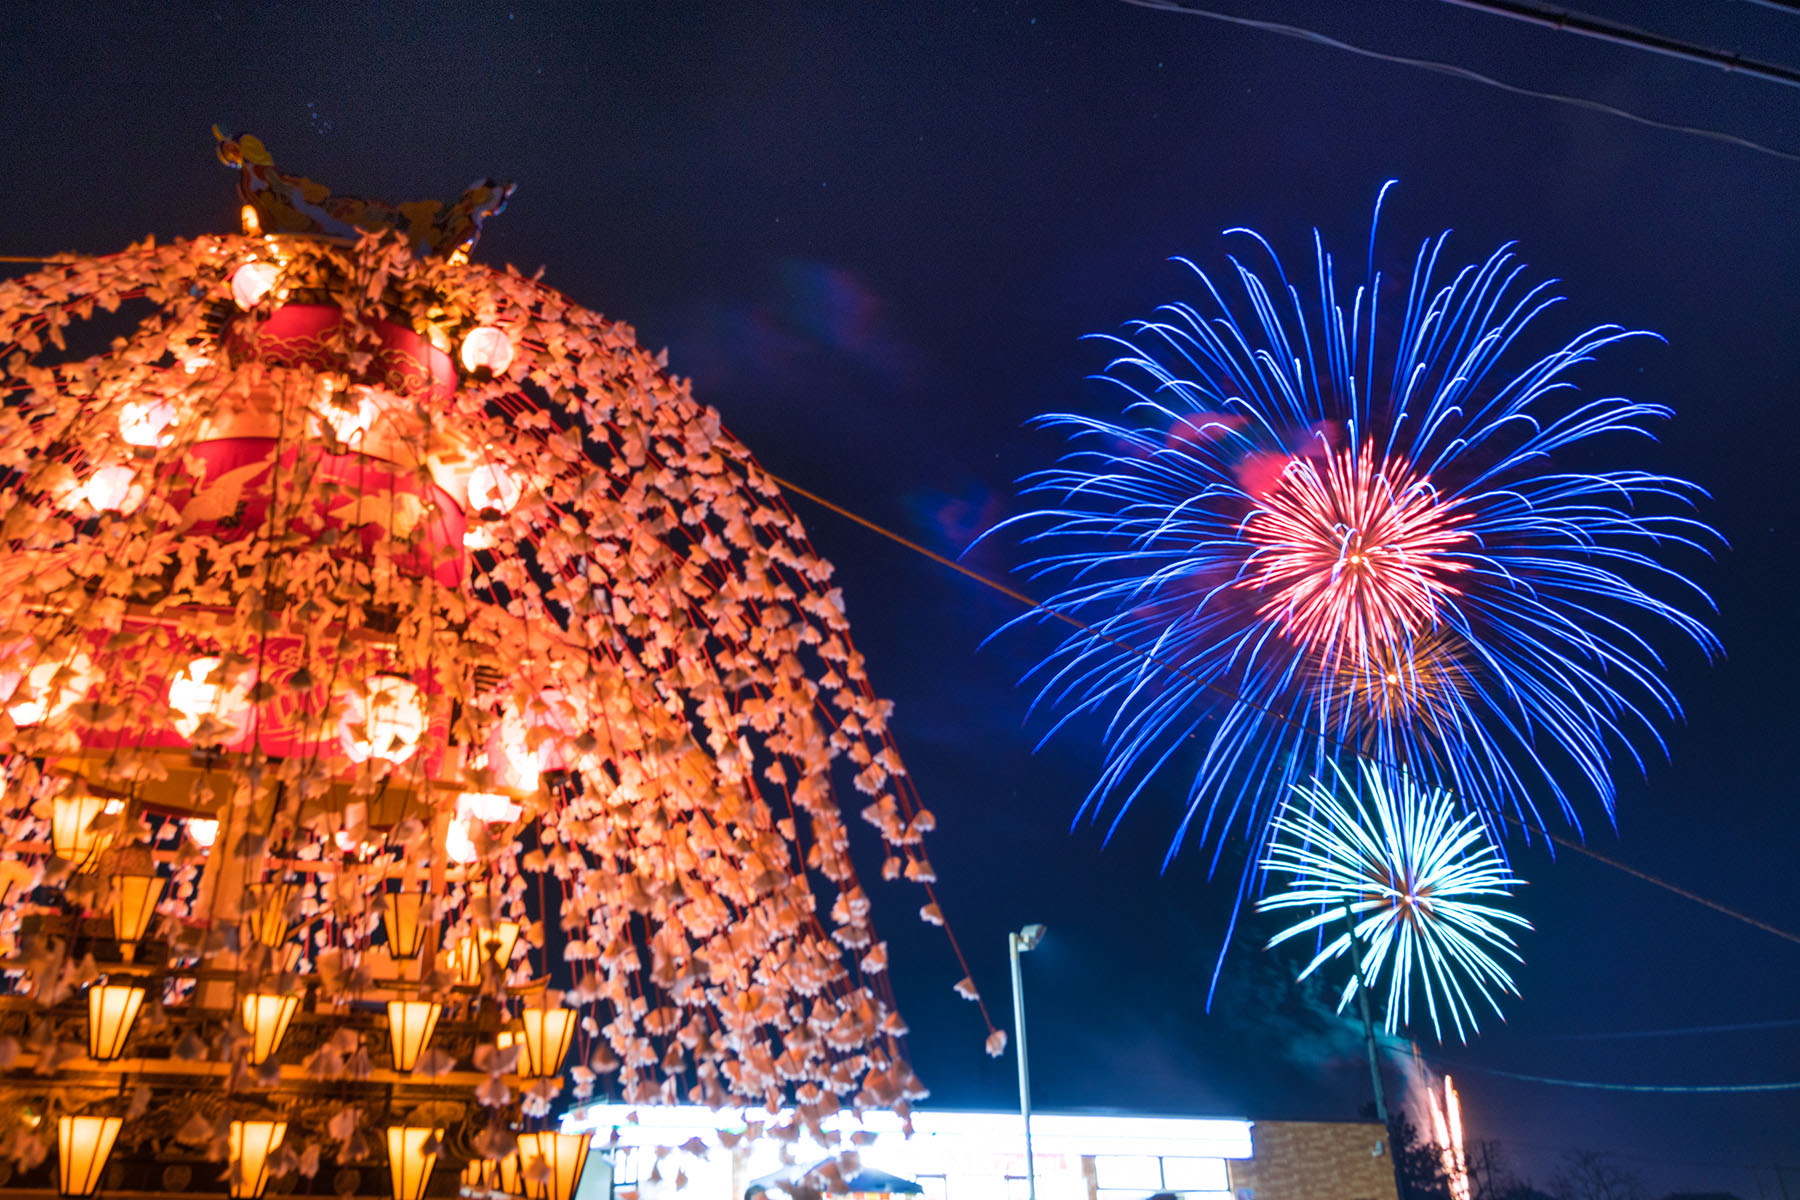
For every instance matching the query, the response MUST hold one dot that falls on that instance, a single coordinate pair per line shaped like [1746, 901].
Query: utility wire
[1684, 1031]
[1225, 693]
[1582, 25]
[1400, 1045]
[1676, 1089]
[1443, 68]
[1663, 883]
[1639, 1156]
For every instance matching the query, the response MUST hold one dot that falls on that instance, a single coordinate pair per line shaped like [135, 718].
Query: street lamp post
[1025, 939]
[1368, 1017]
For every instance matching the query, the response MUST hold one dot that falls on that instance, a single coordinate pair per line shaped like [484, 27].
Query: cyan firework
[1414, 879]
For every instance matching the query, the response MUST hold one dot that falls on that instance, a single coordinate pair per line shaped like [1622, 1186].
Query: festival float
[416, 712]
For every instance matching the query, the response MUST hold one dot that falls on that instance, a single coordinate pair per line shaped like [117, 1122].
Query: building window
[1136, 1173]
[1195, 1175]
[1131, 1177]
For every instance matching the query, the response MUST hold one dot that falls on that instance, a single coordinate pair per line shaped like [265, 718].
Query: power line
[1582, 25]
[1684, 893]
[1676, 1089]
[1443, 68]
[1226, 693]
[1685, 1031]
[1406, 1046]
[1619, 1152]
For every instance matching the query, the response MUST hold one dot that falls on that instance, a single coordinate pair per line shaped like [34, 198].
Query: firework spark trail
[1416, 879]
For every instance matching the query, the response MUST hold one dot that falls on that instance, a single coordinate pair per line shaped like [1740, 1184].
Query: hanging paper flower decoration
[466, 625]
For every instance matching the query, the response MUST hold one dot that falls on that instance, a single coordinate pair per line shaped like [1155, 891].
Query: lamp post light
[1016, 943]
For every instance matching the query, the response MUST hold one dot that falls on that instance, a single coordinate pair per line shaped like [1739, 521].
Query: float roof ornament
[286, 203]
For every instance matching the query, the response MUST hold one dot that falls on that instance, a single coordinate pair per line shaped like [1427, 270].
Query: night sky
[874, 235]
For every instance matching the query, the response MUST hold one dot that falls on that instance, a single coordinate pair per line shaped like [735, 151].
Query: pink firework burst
[1353, 556]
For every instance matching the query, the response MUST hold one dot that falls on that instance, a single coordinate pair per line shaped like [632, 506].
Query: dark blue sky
[874, 235]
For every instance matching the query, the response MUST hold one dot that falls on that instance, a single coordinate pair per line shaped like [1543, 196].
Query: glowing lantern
[492, 488]
[252, 282]
[410, 1025]
[401, 921]
[408, 1162]
[348, 843]
[487, 807]
[384, 721]
[511, 759]
[497, 945]
[544, 1039]
[495, 1175]
[135, 896]
[459, 846]
[351, 423]
[487, 349]
[83, 1145]
[204, 831]
[71, 835]
[146, 422]
[200, 691]
[252, 225]
[268, 912]
[565, 1154]
[266, 1016]
[494, 945]
[112, 489]
[112, 1011]
[251, 1144]
[51, 689]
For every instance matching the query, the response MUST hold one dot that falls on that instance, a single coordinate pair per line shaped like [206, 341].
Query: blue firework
[1394, 868]
[1361, 518]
